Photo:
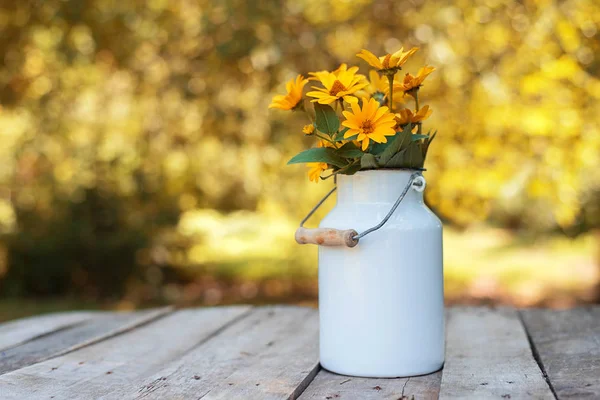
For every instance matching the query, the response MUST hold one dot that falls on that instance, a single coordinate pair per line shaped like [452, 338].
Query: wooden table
[242, 352]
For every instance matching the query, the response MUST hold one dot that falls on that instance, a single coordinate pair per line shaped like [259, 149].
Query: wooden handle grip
[327, 237]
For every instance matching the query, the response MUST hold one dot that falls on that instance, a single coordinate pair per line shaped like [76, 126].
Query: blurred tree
[118, 116]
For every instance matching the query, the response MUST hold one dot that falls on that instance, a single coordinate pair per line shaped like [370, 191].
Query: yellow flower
[339, 84]
[372, 122]
[308, 129]
[390, 63]
[316, 76]
[405, 116]
[411, 82]
[314, 173]
[379, 89]
[292, 99]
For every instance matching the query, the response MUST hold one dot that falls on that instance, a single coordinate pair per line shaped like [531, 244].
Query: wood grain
[488, 356]
[95, 371]
[65, 340]
[20, 331]
[272, 353]
[326, 236]
[328, 385]
[284, 366]
[568, 345]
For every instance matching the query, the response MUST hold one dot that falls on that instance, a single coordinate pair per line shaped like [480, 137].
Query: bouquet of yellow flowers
[356, 120]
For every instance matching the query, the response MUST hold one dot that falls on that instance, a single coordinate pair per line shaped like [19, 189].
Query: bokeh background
[141, 166]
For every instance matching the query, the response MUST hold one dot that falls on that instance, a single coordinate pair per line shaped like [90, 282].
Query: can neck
[376, 186]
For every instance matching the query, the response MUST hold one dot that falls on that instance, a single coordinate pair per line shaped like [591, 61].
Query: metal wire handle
[315, 208]
[412, 181]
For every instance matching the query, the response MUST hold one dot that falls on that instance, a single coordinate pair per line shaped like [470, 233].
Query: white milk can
[381, 290]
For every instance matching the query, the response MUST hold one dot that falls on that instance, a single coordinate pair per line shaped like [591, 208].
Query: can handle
[327, 236]
[349, 237]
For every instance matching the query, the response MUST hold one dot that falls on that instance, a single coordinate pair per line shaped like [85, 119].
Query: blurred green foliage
[140, 160]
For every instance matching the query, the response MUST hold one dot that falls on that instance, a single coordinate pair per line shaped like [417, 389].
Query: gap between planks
[488, 356]
[536, 355]
[567, 343]
[15, 333]
[272, 354]
[73, 337]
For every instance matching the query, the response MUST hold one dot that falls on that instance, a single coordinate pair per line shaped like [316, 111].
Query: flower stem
[416, 96]
[325, 138]
[391, 94]
[328, 140]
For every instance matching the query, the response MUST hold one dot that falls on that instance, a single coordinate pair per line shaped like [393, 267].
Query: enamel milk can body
[381, 302]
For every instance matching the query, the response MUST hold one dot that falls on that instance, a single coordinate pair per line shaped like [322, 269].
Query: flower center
[337, 87]
[367, 127]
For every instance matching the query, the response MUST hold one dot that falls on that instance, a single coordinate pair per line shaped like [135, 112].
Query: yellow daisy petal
[370, 58]
[293, 97]
[365, 144]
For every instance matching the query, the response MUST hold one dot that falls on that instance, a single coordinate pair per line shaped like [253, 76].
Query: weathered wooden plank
[271, 353]
[281, 368]
[93, 372]
[488, 356]
[568, 345]
[22, 330]
[327, 385]
[65, 340]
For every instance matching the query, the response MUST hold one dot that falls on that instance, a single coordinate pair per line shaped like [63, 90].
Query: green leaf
[398, 160]
[400, 142]
[320, 154]
[352, 169]
[378, 148]
[349, 169]
[368, 161]
[415, 156]
[416, 137]
[351, 153]
[410, 157]
[425, 146]
[340, 135]
[327, 120]
[349, 150]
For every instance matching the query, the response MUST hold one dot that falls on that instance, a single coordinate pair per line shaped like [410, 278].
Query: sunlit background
[141, 166]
